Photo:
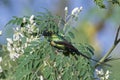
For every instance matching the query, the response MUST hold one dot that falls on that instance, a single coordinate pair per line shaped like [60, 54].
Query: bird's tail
[79, 53]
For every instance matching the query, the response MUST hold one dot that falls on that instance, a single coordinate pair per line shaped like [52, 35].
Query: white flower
[1, 69]
[17, 34]
[16, 37]
[18, 49]
[34, 24]
[10, 40]
[81, 8]
[102, 78]
[17, 29]
[24, 20]
[41, 77]
[0, 59]
[0, 32]
[75, 12]
[102, 75]
[9, 47]
[45, 63]
[13, 56]
[25, 45]
[28, 40]
[28, 26]
[32, 19]
[66, 8]
[54, 64]
[107, 74]
[66, 13]
[99, 72]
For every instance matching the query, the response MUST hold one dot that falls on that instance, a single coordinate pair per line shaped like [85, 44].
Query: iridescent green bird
[61, 43]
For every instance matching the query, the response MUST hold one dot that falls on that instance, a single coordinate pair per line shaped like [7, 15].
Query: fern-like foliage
[43, 61]
[40, 60]
[101, 4]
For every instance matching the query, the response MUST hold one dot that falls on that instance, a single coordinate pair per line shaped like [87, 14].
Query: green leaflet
[85, 49]
[40, 59]
[101, 4]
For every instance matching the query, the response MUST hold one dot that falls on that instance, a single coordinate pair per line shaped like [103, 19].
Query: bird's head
[47, 33]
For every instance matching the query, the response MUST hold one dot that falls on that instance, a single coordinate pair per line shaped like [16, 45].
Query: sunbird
[61, 43]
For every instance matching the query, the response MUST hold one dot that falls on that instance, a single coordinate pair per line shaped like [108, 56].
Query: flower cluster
[74, 14]
[102, 75]
[30, 29]
[71, 18]
[16, 45]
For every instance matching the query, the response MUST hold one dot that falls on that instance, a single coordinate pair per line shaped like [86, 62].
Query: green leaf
[47, 72]
[44, 61]
[100, 3]
[115, 2]
[71, 35]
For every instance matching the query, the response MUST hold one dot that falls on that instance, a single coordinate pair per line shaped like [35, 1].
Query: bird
[58, 41]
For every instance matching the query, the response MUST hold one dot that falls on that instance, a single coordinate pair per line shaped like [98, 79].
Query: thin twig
[116, 41]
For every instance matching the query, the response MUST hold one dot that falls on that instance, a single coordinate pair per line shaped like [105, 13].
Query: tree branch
[116, 41]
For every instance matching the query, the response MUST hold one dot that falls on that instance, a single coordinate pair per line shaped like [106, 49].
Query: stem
[116, 41]
[69, 17]
[106, 55]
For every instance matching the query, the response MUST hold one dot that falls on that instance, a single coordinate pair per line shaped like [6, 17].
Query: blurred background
[96, 26]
